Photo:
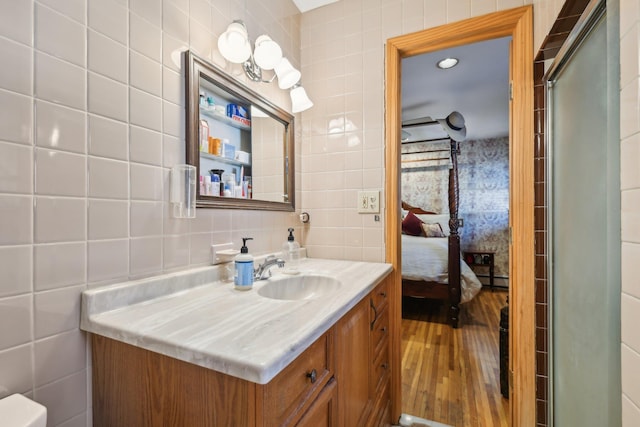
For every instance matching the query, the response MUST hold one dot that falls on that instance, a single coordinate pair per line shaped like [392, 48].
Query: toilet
[19, 411]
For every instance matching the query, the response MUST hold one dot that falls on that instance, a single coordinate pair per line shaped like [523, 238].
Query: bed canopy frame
[450, 291]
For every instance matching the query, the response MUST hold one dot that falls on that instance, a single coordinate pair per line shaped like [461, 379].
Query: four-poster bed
[454, 282]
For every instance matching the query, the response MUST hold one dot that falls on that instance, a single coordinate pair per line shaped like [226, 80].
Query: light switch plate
[369, 202]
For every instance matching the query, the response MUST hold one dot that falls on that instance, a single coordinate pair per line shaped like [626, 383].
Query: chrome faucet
[264, 270]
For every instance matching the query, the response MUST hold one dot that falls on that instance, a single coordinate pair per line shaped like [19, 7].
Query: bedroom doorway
[516, 23]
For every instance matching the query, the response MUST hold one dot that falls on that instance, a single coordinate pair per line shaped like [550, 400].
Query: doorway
[516, 23]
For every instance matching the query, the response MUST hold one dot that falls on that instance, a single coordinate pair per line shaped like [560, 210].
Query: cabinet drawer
[293, 389]
[380, 370]
[380, 332]
[380, 295]
[381, 414]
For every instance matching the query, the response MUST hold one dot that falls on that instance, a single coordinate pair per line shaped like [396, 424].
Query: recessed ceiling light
[447, 63]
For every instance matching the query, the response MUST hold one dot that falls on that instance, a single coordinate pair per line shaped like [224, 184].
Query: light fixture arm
[254, 72]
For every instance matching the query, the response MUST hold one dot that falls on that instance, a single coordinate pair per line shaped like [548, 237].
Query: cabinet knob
[313, 376]
[383, 294]
[384, 366]
[383, 329]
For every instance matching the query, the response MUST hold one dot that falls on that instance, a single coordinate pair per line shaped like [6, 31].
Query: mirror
[241, 144]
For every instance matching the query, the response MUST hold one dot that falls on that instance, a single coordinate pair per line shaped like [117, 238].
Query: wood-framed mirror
[241, 144]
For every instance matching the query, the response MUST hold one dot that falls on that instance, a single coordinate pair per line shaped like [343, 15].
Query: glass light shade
[267, 53]
[234, 43]
[287, 75]
[299, 100]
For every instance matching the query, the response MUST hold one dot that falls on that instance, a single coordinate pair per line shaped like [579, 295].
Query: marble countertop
[195, 316]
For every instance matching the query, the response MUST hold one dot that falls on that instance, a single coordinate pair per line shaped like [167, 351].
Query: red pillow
[412, 225]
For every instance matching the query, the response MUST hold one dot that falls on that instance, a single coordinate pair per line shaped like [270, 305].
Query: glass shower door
[584, 240]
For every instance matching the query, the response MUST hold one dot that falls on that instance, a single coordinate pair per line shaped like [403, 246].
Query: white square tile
[172, 86]
[629, 159]
[151, 10]
[146, 182]
[630, 318]
[57, 311]
[60, 219]
[17, 214]
[630, 215]
[630, 254]
[15, 321]
[108, 259]
[16, 21]
[108, 219]
[59, 81]
[74, 9]
[108, 138]
[18, 76]
[457, 10]
[145, 256]
[16, 266]
[629, 15]
[629, 56]
[482, 7]
[15, 369]
[173, 117]
[16, 168]
[16, 120]
[145, 37]
[203, 221]
[58, 265]
[173, 225]
[201, 11]
[630, 373]
[55, 397]
[175, 251]
[146, 218]
[108, 179]
[60, 174]
[201, 40]
[145, 110]
[172, 52]
[60, 128]
[146, 146]
[146, 74]
[109, 18]
[60, 36]
[509, 4]
[59, 356]
[200, 249]
[175, 22]
[173, 152]
[108, 97]
[108, 57]
[629, 111]
[82, 420]
[630, 412]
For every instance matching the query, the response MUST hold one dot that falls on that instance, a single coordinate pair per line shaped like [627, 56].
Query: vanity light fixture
[234, 45]
[446, 63]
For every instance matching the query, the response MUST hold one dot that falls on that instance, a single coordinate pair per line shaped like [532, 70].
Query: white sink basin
[304, 286]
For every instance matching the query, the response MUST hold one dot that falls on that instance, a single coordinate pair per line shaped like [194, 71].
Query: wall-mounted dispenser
[183, 191]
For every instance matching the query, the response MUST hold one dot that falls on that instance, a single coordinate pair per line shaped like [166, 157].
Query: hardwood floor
[453, 375]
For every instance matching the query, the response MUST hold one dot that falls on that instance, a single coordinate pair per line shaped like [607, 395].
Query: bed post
[454, 238]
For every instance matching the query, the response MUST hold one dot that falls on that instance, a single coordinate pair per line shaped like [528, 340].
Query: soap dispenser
[243, 279]
[291, 254]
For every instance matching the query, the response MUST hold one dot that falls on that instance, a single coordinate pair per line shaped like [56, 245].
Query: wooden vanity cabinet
[363, 361]
[341, 380]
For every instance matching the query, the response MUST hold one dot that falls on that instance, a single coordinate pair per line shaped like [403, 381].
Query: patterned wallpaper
[484, 191]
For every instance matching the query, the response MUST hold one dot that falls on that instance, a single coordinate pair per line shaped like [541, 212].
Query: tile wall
[92, 120]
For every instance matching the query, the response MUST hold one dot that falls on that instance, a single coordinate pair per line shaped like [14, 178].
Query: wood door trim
[517, 23]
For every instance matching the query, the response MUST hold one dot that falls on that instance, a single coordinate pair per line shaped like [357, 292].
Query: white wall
[91, 119]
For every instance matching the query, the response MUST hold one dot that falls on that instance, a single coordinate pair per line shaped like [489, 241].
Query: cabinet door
[353, 361]
[323, 412]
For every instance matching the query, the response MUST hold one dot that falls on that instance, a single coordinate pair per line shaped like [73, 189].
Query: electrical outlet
[368, 202]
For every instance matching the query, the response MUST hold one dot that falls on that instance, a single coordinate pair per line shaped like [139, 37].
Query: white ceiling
[306, 5]
[478, 87]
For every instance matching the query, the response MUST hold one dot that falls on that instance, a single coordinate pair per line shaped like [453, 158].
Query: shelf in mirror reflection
[225, 119]
[223, 159]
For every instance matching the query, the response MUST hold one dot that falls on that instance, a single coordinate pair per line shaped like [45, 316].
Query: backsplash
[483, 170]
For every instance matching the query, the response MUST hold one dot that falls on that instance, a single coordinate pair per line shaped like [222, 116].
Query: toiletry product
[215, 185]
[291, 254]
[207, 186]
[204, 136]
[243, 279]
[202, 184]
